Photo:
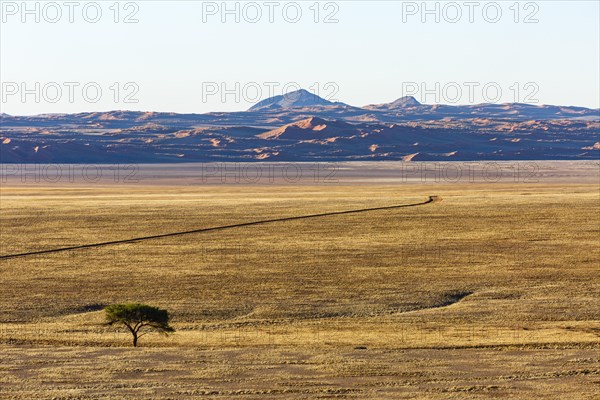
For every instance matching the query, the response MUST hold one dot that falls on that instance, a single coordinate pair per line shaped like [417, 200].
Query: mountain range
[301, 126]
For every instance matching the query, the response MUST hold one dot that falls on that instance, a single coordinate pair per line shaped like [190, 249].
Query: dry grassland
[492, 293]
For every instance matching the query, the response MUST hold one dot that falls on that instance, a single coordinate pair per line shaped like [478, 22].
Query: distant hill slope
[402, 102]
[306, 127]
[298, 98]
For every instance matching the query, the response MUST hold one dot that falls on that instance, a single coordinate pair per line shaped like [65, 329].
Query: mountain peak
[405, 101]
[402, 102]
[298, 98]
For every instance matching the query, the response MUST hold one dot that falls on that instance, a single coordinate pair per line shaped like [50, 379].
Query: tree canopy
[137, 317]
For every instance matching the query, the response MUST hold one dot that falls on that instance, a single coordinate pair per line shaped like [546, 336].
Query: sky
[195, 57]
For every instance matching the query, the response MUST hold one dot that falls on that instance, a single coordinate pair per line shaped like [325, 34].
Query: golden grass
[492, 292]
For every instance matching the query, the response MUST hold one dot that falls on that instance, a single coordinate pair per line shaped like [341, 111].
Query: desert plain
[491, 293]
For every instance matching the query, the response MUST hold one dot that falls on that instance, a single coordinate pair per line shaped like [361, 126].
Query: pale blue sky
[370, 55]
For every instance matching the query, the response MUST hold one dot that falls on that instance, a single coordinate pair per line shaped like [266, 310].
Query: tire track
[432, 199]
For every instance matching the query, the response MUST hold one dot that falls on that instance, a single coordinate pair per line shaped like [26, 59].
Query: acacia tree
[136, 317]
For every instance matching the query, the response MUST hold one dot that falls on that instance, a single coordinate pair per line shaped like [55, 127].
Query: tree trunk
[135, 339]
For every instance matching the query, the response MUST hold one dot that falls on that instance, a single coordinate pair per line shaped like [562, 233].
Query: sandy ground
[306, 173]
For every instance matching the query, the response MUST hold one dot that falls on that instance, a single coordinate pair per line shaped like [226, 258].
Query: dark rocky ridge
[307, 129]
